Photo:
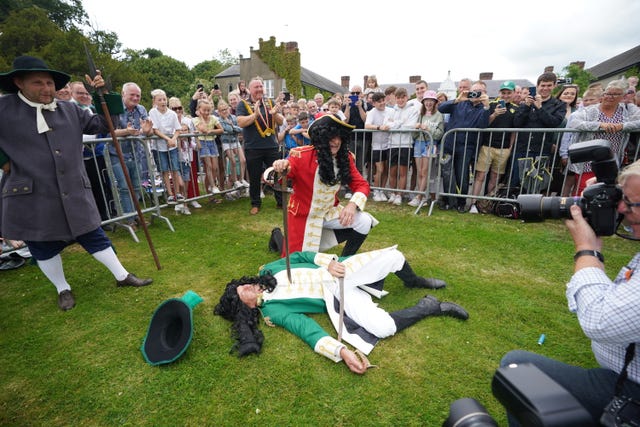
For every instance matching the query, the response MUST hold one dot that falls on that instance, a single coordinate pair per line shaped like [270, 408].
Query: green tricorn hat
[170, 330]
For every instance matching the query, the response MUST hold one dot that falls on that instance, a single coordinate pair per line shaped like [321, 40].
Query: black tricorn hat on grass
[170, 330]
[29, 64]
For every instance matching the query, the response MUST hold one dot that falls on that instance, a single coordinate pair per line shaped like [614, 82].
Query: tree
[578, 76]
[65, 14]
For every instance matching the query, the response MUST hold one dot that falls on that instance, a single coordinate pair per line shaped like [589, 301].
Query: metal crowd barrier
[109, 187]
[531, 167]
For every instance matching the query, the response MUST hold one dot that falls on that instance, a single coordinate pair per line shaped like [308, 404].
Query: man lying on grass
[315, 288]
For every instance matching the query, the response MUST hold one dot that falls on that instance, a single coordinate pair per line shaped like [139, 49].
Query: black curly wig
[323, 130]
[245, 319]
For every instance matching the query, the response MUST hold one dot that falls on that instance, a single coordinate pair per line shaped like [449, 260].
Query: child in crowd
[167, 128]
[231, 147]
[300, 131]
[208, 127]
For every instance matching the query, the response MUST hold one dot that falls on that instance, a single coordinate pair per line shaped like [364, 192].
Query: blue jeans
[593, 388]
[121, 182]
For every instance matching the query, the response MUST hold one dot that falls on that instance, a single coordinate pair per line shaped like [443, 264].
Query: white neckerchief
[42, 123]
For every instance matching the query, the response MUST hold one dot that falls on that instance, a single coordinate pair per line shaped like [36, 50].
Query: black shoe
[132, 280]
[453, 310]
[66, 300]
[461, 209]
[443, 206]
[427, 283]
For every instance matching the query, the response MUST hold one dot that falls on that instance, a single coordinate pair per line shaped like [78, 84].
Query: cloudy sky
[393, 40]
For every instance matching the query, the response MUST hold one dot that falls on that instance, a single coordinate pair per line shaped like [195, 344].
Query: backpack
[275, 242]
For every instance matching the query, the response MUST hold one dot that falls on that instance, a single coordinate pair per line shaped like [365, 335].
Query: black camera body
[474, 94]
[621, 411]
[599, 202]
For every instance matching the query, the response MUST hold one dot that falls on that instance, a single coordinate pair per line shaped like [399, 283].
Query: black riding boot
[427, 306]
[354, 242]
[412, 280]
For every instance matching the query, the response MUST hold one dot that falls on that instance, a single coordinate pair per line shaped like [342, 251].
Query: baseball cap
[508, 85]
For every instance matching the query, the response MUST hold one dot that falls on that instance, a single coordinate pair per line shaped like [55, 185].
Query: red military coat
[312, 202]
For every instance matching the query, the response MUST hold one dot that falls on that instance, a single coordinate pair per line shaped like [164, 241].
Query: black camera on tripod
[599, 202]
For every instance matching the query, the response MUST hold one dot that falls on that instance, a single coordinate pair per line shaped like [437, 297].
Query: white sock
[52, 268]
[110, 260]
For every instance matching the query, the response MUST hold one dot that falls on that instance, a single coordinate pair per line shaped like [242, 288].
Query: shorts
[230, 146]
[425, 149]
[492, 158]
[92, 242]
[208, 148]
[400, 156]
[167, 161]
[185, 171]
[378, 156]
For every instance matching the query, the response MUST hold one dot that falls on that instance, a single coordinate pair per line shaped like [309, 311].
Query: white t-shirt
[166, 123]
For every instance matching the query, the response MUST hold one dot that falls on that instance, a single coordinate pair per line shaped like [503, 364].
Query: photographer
[608, 311]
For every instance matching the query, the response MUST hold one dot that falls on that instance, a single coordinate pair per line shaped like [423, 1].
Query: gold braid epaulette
[297, 151]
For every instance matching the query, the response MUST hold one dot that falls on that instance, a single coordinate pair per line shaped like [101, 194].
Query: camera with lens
[599, 202]
[474, 94]
[528, 395]
[621, 411]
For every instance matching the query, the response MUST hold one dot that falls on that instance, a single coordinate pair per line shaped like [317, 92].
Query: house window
[268, 88]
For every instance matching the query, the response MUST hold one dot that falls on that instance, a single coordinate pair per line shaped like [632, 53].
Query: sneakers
[397, 201]
[244, 183]
[171, 200]
[238, 184]
[195, 204]
[376, 196]
[473, 209]
[180, 198]
[415, 201]
[383, 197]
[183, 209]
[66, 300]
[214, 190]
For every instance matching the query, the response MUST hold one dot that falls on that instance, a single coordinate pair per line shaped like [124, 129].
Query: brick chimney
[414, 79]
[486, 76]
[344, 81]
[579, 64]
[291, 46]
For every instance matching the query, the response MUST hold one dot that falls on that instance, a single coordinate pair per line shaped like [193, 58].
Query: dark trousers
[257, 162]
[100, 186]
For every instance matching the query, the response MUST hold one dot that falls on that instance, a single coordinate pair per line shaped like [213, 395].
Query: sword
[116, 144]
[285, 221]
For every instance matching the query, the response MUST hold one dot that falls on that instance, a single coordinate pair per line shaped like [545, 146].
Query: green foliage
[28, 31]
[633, 71]
[163, 72]
[65, 14]
[578, 76]
[285, 64]
[85, 365]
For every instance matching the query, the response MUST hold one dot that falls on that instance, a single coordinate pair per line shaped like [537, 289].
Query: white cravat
[42, 123]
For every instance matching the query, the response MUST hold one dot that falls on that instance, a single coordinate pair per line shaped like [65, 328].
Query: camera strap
[628, 357]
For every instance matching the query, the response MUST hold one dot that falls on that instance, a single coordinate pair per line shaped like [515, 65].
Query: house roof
[493, 86]
[617, 64]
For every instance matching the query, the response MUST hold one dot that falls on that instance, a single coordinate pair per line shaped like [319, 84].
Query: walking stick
[116, 144]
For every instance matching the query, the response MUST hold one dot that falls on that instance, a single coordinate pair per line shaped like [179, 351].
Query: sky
[392, 40]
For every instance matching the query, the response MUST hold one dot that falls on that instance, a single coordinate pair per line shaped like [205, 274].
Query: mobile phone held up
[501, 103]
[354, 98]
[532, 92]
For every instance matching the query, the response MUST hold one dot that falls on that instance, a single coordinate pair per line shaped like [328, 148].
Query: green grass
[84, 367]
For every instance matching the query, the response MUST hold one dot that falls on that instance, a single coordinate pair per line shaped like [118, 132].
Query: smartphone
[200, 86]
[287, 97]
[501, 103]
[216, 86]
[354, 98]
[532, 92]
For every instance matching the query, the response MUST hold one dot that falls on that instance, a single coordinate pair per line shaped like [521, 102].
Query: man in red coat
[316, 220]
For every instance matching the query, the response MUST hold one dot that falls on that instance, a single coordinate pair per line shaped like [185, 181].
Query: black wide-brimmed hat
[331, 120]
[170, 330]
[29, 64]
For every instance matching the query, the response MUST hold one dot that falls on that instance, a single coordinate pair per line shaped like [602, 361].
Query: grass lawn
[84, 367]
